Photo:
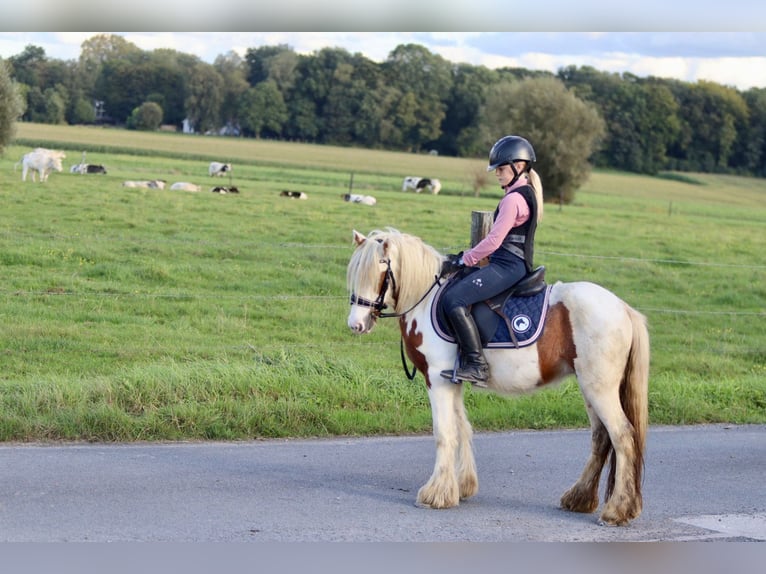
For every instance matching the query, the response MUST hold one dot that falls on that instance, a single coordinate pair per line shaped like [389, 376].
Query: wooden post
[481, 222]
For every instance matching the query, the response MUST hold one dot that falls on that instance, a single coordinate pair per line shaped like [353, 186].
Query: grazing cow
[418, 184]
[83, 168]
[152, 183]
[185, 186]
[218, 169]
[42, 161]
[223, 189]
[355, 198]
[293, 194]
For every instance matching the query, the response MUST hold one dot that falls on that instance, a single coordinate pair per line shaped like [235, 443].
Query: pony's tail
[634, 398]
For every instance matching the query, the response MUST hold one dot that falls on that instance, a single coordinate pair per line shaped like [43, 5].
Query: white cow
[218, 169]
[356, 198]
[152, 183]
[185, 186]
[41, 160]
[418, 184]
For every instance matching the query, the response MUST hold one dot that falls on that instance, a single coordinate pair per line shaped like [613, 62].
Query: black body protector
[521, 240]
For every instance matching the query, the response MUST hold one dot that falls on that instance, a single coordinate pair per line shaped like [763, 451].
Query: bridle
[378, 305]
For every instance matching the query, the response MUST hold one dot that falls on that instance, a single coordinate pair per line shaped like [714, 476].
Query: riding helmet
[509, 149]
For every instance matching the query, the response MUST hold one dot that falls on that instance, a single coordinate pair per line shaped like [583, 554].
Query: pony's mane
[414, 263]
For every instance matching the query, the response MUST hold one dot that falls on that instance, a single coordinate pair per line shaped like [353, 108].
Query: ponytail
[537, 185]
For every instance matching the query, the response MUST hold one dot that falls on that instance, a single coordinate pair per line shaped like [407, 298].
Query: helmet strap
[517, 174]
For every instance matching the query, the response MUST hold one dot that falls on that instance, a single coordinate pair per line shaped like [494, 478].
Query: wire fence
[299, 297]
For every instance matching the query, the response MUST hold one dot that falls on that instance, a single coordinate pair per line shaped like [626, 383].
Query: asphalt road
[702, 483]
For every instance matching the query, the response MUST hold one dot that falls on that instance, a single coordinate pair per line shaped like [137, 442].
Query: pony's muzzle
[361, 325]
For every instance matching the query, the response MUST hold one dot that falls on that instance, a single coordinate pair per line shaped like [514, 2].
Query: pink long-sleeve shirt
[512, 212]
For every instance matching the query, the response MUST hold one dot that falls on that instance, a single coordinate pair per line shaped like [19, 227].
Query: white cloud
[683, 56]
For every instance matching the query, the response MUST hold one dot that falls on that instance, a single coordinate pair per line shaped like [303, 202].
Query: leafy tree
[460, 129]
[640, 115]
[564, 130]
[147, 117]
[205, 95]
[262, 109]
[750, 151]
[124, 86]
[711, 118]
[56, 101]
[232, 70]
[315, 76]
[271, 63]
[29, 66]
[81, 111]
[11, 106]
[424, 79]
[352, 112]
[97, 51]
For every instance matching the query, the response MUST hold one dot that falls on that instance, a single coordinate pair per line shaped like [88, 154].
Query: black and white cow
[223, 189]
[83, 168]
[41, 161]
[418, 184]
[293, 194]
[218, 169]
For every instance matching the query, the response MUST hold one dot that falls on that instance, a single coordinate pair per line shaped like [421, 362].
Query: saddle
[512, 318]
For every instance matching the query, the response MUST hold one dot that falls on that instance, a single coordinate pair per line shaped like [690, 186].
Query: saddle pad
[520, 324]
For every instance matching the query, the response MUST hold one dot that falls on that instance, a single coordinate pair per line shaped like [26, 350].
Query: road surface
[702, 483]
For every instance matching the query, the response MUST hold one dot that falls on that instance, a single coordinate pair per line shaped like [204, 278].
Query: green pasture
[145, 314]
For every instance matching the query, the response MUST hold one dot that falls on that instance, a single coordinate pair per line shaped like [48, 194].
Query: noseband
[378, 305]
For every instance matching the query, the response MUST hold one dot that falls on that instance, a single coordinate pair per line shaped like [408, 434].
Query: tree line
[413, 101]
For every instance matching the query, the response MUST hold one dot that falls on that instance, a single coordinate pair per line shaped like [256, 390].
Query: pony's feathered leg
[468, 480]
[583, 495]
[442, 489]
[619, 400]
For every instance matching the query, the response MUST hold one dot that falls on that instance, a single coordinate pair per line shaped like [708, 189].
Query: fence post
[481, 222]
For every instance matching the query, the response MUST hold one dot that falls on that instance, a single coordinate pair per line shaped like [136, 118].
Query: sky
[703, 40]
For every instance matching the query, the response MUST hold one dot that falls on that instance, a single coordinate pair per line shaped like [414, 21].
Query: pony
[588, 332]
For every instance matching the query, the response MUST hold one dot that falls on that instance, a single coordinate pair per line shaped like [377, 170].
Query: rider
[509, 245]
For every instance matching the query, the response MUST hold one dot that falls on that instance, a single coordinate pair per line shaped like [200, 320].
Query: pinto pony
[589, 332]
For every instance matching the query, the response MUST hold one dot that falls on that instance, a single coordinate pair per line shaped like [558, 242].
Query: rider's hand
[452, 263]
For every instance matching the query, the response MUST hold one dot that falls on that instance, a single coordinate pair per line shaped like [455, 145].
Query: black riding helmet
[509, 149]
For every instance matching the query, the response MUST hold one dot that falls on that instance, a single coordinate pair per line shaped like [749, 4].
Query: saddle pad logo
[521, 323]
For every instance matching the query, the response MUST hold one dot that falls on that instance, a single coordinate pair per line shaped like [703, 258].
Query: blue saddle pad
[520, 323]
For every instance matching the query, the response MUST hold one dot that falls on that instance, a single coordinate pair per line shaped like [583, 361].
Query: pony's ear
[359, 238]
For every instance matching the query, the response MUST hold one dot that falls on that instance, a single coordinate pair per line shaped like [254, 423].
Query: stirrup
[454, 376]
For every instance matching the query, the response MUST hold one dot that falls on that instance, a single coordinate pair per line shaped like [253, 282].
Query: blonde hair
[537, 185]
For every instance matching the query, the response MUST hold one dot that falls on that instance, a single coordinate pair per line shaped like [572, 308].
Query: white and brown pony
[589, 332]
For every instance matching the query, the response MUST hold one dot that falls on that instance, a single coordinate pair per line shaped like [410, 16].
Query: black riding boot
[473, 367]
